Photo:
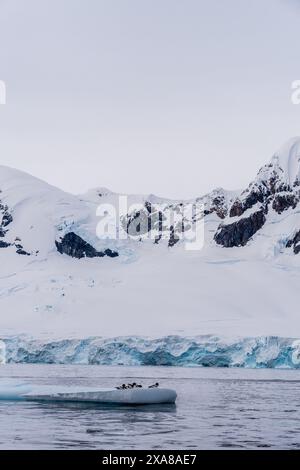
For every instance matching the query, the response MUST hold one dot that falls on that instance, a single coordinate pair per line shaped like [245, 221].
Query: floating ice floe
[138, 396]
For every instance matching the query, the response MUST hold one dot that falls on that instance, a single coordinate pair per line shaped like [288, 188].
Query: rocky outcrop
[140, 222]
[152, 219]
[217, 202]
[6, 218]
[294, 243]
[74, 246]
[20, 250]
[239, 207]
[282, 202]
[269, 187]
[219, 206]
[240, 232]
[4, 244]
[276, 187]
[173, 237]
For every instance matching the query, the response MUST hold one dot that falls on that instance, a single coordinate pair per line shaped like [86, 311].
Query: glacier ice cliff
[205, 351]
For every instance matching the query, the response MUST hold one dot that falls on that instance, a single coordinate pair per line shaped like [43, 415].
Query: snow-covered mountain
[271, 199]
[36, 216]
[59, 279]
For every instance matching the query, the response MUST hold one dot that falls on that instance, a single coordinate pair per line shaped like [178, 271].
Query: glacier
[203, 351]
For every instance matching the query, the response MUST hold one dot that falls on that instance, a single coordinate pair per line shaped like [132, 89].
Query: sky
[171, 97]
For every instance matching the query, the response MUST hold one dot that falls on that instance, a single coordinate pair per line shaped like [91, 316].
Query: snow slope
[150, 289]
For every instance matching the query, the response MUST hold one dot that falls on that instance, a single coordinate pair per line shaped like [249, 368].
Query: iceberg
[137, 396]
[12, 391]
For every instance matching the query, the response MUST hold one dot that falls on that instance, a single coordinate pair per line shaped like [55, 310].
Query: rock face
[282, 202]
[168, 220]
[239, 233]
[153, 218]
[74, 246]
[173, 238]
[276, 189]
[20, 250]
[217, 202]
[295, 243]
[6, 218]
[4, 244]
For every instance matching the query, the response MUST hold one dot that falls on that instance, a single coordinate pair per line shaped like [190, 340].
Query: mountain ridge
[276, 189]
[59, 279]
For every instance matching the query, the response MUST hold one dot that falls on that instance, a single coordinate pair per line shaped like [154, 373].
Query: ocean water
[216, 409]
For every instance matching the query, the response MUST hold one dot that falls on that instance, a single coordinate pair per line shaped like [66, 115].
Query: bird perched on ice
[154, 385]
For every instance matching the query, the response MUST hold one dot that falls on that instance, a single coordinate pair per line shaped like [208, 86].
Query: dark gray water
[216, 408]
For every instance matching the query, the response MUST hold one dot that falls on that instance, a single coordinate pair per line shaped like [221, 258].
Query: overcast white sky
[173, 97]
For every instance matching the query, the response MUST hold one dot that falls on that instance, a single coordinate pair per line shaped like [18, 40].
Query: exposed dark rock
[260, 192]
[21, 251]
[73, 245]
[219, 207]
[275, 185]
[110, 253]
[270, 189]
[143, 221]
[238, 208]
[2, 232]
[157, 239]
[254, 197]
[173, 237]
[6, 219]
[138, 223]
[240, 232]
[148, 206]
[295, 243]
[296, 249]
[296, 183]
[282, 202]
[4, 244]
